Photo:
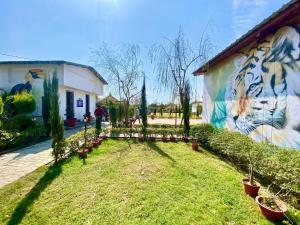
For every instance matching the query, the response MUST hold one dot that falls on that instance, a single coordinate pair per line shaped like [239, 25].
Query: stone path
[14, 165]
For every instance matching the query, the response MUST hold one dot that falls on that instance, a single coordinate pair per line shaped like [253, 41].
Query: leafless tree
[174, 59]
[123, 68]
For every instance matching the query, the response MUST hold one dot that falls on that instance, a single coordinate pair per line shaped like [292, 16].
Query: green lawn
[132, 183]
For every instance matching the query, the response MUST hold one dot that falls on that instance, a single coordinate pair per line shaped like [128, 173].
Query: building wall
[78, 94]
[257, 91]
[79, 80]
[11, 75]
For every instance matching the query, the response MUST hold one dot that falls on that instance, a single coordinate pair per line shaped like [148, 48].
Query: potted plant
[82, 154]
[172, 137]
[272, 208]
[71, 121]
[185, 139]
[152, 136]
[251, 187]
[195, 146]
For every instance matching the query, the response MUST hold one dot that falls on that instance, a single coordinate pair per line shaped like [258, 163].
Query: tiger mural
[263, 94]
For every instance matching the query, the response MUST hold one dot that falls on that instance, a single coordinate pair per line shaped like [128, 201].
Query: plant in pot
[195, 145]
[271, 207]
[172, 137]
[105, 132]
[71, 121]
[164, 137]
[251, 187]
[152, 136]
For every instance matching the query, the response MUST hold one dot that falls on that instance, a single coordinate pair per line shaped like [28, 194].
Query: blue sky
[71, 29]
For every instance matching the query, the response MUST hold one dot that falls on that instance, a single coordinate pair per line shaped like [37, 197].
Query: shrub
[186, 109]
[273, 164]
[143, 109]
[19, 123]
[24, 102]
[8, 139]
[113, 115]
[46, 105]
[202, 133]
[1, 105]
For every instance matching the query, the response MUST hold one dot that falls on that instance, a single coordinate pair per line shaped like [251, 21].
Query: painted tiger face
[257, 92]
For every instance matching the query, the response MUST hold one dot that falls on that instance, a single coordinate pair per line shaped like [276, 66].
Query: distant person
[99, 113]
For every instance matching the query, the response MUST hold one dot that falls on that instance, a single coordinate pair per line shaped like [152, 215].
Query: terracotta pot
[82, 154]
[164, 139]
[249, 189]
[95, 143]
[185, 139]
[195, 146]
[152, 117]
[173, 139]
[153, 139]
[269, 213]
[71, 122]
[104, 137]
[141, 139]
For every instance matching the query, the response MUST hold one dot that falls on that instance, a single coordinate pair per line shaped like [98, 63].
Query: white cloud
[245, 14]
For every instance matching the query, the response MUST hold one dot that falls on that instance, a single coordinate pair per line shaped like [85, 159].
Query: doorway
[69, 104]
[87, 105]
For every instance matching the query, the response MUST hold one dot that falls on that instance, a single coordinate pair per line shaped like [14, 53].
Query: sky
[71, 29]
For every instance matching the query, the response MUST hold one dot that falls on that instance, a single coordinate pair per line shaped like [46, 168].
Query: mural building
[256, 91]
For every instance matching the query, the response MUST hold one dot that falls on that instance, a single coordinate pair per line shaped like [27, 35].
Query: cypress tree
[57, 125]
[186, 109]
[1, 105]
[143, 109]
[46, 105]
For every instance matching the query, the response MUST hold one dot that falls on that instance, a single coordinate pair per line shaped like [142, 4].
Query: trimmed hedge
[202, 133]
[274, 165]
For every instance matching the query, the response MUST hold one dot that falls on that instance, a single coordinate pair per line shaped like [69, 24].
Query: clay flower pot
[153, 139]
[249, 189]
[95, 143]
[185, 139]
[195, 146]
[104, 136]
[164, 139]
[141, 138]
[272, 213]
[82, 154]
[173, 139]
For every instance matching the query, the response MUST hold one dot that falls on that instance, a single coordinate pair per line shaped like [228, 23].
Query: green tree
[46, 106]
[161, 109]
[1, 105]
[186, 108]
[143, 109]
[113, 114]
[56, 122]
[24, 103]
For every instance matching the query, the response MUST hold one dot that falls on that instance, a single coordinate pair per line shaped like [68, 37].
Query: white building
[79, 85]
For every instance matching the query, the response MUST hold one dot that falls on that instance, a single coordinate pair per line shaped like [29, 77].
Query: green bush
[8, 139]
[1, 105]
[273, 164]
[11, 139]
[202, 133]
[19, 122]
[113, 115]
[24, 102]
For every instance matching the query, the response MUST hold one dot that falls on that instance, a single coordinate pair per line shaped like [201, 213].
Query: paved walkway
[14, 165]
[172, 121]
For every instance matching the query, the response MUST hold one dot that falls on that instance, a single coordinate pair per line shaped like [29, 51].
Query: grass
[132, 183]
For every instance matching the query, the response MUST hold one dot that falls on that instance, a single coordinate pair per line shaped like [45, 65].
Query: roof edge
[261, 30]
[56, 62]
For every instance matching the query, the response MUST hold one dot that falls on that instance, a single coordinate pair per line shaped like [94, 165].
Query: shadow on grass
[154, 147]
[20, 211]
